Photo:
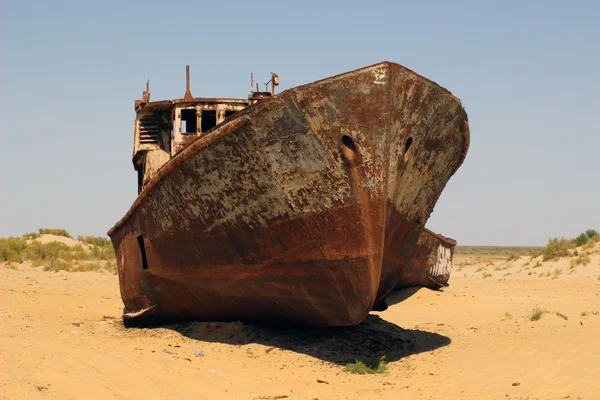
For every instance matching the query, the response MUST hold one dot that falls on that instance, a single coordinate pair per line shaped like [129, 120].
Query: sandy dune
[61, 337]
[47, 238]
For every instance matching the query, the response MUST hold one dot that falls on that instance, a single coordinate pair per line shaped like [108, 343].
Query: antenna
[188, 95]
[146, 94]
[274, 81]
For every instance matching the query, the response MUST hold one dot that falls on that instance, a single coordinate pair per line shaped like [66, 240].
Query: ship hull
[300, 208]
[431, 262]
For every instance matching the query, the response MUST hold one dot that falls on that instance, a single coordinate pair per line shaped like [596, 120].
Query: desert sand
[61, 337]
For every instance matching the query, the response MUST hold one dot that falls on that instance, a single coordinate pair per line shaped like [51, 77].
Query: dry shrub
[55, 232]
[557, 248]
[57, 264]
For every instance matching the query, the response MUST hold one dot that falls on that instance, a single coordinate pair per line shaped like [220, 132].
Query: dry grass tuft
[512, 257]
[581, 259]
[537, 313]
[563, 316]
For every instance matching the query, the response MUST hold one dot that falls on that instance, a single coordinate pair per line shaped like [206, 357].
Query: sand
[47, 238]
[61, 337]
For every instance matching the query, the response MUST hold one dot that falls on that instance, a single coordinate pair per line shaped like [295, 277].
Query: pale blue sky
[527, 73]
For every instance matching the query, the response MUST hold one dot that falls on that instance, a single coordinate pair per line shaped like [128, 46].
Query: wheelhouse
[163, 128]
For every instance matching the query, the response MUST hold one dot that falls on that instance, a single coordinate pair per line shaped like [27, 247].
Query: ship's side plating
[298, 208]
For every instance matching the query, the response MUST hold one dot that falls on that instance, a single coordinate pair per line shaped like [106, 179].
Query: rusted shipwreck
[308, 206]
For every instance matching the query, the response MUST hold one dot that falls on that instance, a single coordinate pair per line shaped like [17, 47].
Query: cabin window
[209, 119]
[140, 240]
[188, 122]
[229, 113]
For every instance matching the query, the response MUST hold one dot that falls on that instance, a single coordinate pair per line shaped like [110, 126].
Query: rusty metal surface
[301, 208]
[169, 104]
[188, 95]
[431, 262]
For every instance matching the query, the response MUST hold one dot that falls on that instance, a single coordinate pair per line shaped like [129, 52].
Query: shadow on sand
[373, 338]
[400, 295]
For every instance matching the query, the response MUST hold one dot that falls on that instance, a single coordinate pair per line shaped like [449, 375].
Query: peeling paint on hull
[301, 208]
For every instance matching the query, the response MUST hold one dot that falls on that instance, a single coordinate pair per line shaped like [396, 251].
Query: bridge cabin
[163, 128]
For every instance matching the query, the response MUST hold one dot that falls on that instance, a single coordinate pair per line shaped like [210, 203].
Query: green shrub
[57, 265]
[14, 249]
[31, 236]
[65, 255]
[563, 316]
[37, 263]
[79, 253]
[556, 248]
[584, 237]
[95, 240]
[537, 314]
[44, 251]
[74, 253]
[11, 249]
[580, 240]
[58, 256]
[88, 266]
[584, 313]
[557, 272]
[111, 266]
[106, 252]
[367, 366]
[536, 253]
[55, 232]
[590, 233]
[582, 258]
[512, 257]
